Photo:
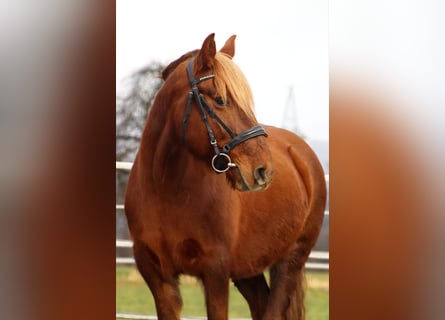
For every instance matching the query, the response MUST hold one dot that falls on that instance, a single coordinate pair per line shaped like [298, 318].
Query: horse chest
[189, 238]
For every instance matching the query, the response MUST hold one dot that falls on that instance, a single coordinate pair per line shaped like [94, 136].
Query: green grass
[133, 296]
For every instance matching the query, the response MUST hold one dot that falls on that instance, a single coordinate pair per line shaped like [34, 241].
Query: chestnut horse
[190, 200]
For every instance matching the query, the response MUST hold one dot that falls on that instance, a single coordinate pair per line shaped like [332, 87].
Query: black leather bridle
[221, 161]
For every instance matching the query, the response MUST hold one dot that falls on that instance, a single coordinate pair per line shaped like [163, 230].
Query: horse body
[185, 219]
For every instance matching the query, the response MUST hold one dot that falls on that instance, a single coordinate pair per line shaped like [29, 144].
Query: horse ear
[207, 53]
[229, 47]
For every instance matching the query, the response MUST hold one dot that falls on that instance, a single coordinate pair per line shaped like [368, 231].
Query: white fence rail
[124, 166]
[318, 255]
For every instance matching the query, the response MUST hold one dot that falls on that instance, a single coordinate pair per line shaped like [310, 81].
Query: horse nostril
[260, 175]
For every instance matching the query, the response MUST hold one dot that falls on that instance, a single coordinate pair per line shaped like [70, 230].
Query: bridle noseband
[221, 161]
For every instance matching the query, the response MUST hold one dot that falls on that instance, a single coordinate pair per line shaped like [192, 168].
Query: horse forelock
[229, 79]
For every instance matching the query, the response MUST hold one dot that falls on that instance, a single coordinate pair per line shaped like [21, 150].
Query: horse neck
[171, 168]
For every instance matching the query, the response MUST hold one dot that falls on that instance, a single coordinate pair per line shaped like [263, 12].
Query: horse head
[211, 105]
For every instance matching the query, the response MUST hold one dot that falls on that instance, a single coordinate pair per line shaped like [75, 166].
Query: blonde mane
[229, 80]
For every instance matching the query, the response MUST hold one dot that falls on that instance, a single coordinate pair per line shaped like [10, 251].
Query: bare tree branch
[132, 107]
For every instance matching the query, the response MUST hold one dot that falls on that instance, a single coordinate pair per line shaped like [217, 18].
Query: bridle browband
[221, 161]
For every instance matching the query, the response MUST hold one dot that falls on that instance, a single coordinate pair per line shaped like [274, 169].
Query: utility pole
[290, 114]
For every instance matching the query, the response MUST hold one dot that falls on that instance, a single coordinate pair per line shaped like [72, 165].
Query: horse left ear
[229, 47]
[206, 55]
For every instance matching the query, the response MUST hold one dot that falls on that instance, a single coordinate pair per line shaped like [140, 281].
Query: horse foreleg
[215, 277]
[256, 292]
[164, 288]
[216, 288]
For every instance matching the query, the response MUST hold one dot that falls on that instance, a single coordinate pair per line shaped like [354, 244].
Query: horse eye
[220, 102]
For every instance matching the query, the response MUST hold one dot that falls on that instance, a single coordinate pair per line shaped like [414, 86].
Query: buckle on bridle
[221, 162]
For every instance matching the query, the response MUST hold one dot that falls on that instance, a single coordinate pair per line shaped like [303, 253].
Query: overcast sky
[280, 44]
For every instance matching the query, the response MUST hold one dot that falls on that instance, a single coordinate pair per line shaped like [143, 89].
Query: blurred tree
[132, 105]
[133, 102]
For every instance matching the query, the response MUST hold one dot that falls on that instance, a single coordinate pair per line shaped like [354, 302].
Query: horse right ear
[229, 47]
[206, 55]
